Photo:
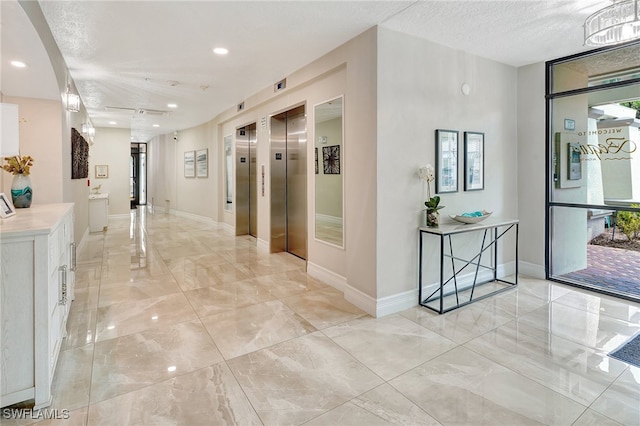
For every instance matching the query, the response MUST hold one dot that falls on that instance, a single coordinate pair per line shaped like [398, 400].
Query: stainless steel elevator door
[242, 181]
[297, 183]
[289, 182]
[253, 180]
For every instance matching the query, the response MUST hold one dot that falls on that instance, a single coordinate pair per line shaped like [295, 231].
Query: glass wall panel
[595, 146]
[600, 69]
[594, 171]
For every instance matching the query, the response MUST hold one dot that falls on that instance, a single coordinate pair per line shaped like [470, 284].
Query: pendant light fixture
[617, 23]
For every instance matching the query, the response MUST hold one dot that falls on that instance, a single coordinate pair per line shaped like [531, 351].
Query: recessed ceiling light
[18, 64]
[112, 122]
[220, 51]
[172, 105]
[156, 125]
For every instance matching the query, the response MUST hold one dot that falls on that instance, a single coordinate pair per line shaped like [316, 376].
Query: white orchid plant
[427, 174]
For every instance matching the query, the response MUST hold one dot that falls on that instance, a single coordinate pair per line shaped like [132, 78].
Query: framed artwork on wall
[189, 164]
[473, 161]
[202, 163]
[102, 171]
[331, 159]
[79, 156]
[446, 161]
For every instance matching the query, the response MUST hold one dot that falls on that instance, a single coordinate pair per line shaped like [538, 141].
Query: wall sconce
[73, 102]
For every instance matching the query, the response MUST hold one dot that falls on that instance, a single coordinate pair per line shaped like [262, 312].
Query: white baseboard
[396, 303]
[532, 270]
[361, 300]
[326, 276]
[120, 216]
[262, 245]
[197, 218]
[401, 301]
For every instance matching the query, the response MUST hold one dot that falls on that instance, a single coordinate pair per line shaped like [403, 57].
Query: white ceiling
[145, 54]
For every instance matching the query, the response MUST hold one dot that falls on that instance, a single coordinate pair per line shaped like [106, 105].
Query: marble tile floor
[178, 322]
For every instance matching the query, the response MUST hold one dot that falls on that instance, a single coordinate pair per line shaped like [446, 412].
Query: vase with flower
[433, 203]
[20, 167]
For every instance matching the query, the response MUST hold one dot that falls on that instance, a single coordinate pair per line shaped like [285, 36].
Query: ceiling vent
[138, 112]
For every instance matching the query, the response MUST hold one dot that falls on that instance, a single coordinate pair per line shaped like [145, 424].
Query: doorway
[138, 175]
[289, 182]
[593, 170]
[246, 181]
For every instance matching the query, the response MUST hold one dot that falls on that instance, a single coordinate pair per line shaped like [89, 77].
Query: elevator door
[289, 182]
[246, 181]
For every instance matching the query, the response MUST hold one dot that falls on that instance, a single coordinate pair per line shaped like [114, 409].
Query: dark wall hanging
[79, 156]
[331, 159]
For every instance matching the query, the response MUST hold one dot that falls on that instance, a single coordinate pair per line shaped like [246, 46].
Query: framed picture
[189, 164]
[446, 161]
[331, 160]
[202, 163]
[6, 206]
[473, 161]
[102, 171]
[316, 150]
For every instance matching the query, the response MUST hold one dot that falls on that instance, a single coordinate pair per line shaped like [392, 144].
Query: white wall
[40, 130]
[419, 91]
[531, 139]
[112, 147]
[73, 191]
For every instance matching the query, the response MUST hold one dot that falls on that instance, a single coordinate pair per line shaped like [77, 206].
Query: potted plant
[432, 204]
[20, 167]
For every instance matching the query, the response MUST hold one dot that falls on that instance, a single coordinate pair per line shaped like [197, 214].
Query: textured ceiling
[145, 54]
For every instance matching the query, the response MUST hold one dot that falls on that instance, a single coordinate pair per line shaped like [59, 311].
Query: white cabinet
[37, 263]
[98, 212]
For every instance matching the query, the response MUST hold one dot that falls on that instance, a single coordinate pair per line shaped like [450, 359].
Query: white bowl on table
[471, 219]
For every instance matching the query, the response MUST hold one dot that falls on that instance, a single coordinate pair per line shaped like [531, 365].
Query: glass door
[593, 171]
[138, 175]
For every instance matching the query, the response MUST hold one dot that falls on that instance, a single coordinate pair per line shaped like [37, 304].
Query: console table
[493, 230]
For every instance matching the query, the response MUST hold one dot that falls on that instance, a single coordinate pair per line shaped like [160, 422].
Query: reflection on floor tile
[578, 372]
[179, 322]
[460, 387]
[593, 418]
[462, 325]
[143, 288]
[389, 346]
[300, 379]
[621, 402]
[137, 360]
[255, 327]
[210, 396]
[70, 387]
[131, 317]
[585, 328]
[323, 308]
[381, 406]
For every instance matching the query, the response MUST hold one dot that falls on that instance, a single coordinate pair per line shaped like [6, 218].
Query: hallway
[178, 322]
